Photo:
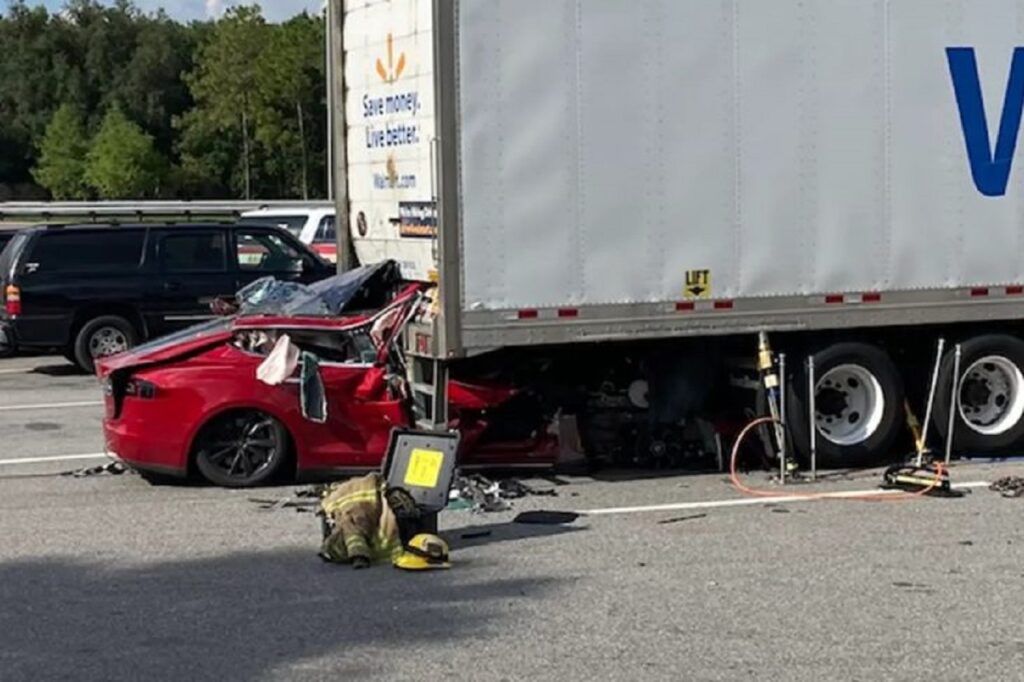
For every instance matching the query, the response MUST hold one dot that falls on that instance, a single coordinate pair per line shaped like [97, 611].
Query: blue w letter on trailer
[991, 170]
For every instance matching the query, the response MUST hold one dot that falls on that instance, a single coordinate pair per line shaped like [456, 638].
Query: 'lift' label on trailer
[698, 284]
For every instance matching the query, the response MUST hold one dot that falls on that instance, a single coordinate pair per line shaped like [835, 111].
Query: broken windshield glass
[370, 287]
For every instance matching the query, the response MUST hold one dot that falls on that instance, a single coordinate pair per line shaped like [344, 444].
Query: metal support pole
[329, 78]
[954, 403]
[781, 428]
[439, 408]
[719, 452]
[931, 402]
[812, 422]
[336, 95]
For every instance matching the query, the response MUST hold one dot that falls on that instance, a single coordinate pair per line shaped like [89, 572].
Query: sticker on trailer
[417, 219]
[698, 284]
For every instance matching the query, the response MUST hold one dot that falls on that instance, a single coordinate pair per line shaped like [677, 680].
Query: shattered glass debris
[365, 288]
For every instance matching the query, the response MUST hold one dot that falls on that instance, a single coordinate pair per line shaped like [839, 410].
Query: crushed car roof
[370, 287]
[348, 300]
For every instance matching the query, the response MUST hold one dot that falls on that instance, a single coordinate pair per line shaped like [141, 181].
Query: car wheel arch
[295, 444]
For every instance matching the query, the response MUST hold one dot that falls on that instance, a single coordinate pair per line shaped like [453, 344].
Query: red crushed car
[192, 402]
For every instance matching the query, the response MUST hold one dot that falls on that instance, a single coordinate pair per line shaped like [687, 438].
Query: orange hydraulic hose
[738, 484]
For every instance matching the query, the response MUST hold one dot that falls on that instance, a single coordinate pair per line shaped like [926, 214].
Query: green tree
[61, 167]
[249, 118]
[224, 82]
[29, 89]
[290, 75]
[149, 87]
[123, 162]
[209, 166]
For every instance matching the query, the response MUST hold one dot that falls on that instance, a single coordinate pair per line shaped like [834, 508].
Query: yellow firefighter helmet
[423, 553]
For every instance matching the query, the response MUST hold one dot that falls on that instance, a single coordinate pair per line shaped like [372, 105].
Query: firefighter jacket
[361, 524]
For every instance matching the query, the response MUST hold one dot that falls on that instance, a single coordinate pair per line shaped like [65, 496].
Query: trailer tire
[991, 395]
[859, 407]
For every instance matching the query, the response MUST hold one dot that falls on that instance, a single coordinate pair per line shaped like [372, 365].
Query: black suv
[93, 291]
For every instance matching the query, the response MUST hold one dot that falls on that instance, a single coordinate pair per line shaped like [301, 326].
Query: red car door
[361, 409]
[360, 416]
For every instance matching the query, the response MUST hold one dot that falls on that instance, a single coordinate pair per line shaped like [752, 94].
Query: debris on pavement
[285, 503]
[546, 518]
[457, 503]
[304, 500]
[680, 519]
[1010, 486]
[112, 468]
[484, 495]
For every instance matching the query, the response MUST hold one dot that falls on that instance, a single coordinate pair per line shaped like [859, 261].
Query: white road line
[50, 406]
[754, 501]
[21, 370]
[59, 458]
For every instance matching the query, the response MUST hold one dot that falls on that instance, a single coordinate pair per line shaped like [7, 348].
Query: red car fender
[199, 382]
[266, 407]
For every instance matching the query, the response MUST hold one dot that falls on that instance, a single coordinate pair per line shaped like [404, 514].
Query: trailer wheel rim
[849, 405]
[991, 395]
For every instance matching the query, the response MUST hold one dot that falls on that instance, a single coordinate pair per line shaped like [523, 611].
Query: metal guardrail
[45, 210]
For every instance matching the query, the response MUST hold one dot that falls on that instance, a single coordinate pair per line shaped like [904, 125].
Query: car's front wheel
[241, 449]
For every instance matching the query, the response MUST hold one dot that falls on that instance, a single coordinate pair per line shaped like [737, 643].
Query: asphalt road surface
[110, 578]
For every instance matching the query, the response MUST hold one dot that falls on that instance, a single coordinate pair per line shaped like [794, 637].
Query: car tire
[241, 449]
[859, 407]
[102, 337]
[991, 395]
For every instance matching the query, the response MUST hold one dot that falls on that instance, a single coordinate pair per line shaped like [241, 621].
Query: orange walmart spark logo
[393, 71]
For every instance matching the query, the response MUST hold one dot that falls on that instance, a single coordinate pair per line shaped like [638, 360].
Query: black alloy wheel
[241, 449]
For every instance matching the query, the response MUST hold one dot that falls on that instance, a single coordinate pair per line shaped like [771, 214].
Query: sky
[274, 10]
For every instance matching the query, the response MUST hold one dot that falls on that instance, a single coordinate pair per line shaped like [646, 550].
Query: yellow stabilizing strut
[920, 449]
[766, 366]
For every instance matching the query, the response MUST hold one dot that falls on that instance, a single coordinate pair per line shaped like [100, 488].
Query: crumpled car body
[162, 397]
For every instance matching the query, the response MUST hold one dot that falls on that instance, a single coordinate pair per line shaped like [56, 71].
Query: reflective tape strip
[850, 299]
[341, 503]
[996, 292]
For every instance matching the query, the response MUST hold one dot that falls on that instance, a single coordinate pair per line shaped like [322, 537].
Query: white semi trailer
[615, 197]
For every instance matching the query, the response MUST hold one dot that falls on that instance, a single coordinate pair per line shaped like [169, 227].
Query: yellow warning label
[698, 284]
[424, 468]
